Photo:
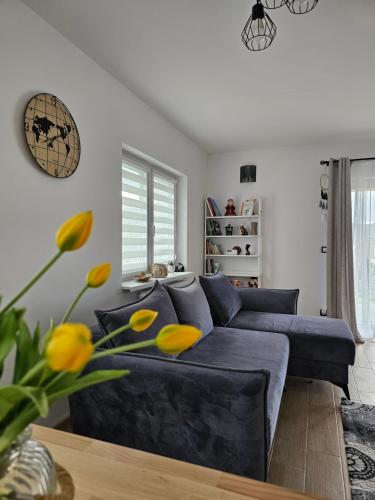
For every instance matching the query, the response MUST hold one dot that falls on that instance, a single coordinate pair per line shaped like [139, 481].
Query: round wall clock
[52, 135]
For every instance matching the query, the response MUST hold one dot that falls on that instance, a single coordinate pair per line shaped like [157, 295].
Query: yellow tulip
[74, 232]
[98, 275]
[69, 348]
[142, 319]
[173, 339]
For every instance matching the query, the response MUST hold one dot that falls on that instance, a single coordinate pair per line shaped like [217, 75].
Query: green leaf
[12, 395]
[25, 356]
[8, 331]
[36, 338]
[86, 381]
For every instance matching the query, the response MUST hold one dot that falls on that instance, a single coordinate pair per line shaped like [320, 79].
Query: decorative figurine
[237, 249]
[248, 249]
[230, 209]
[253, 283]
[236, 283]
[179, 268]
[229, 230]
[170, 267]
[243, 230]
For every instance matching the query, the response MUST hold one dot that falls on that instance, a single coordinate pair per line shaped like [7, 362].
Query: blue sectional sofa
[216, 404]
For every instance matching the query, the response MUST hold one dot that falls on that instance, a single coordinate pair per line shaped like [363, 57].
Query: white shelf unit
[236, 266]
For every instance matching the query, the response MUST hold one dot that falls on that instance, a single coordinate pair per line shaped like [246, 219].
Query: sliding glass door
[363, 208]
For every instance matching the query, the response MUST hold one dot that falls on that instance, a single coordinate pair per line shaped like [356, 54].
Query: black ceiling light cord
[260, 31]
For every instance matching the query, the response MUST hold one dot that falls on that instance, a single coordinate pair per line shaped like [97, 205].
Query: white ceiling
[186, 59]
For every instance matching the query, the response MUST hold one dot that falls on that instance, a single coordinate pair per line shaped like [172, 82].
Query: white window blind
[164, 219]
[134, 219]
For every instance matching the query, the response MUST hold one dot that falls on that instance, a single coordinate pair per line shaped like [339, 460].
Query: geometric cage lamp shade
[259, 31]
[301, 6]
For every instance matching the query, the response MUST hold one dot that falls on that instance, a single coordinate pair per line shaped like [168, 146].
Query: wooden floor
[308, 452]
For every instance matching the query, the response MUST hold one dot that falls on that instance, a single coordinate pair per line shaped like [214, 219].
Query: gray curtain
[340, 274]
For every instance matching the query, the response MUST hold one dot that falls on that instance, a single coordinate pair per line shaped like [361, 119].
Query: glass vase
[26, 469]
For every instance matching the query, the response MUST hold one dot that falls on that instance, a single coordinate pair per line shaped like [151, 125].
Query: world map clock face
[52, 135]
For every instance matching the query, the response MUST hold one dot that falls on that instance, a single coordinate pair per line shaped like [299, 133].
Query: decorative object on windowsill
[253, 283]
[236, 283]
[260, 31]
[171, 266]
[248, 173]
[237, 249]
[159, 271]
[52, 135]
[230, 209]
[248, 246]
[243, 231]
[143, 277]
[229, 230]
[180, 268]
[49, 367]
[323, 203]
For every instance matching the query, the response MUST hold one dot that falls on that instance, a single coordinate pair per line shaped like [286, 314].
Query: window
[148, 216]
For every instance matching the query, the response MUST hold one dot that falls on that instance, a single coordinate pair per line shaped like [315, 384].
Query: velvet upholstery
[210, 416]
[218, 404]
[158, 300]
[191, 306]
[315, 338]
[268, 300]
[222, 297]
[231, 348]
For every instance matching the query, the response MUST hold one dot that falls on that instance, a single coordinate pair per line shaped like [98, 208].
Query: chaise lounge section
[216, 404]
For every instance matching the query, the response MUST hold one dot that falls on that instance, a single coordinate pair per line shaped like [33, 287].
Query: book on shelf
[209, 208]
[215, 207]
[212, 248]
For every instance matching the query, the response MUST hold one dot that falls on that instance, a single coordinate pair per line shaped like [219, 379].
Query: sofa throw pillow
[191, 306]
[157, 300]
[222, 297]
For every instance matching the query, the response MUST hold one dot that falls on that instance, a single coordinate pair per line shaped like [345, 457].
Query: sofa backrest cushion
[192, 307]
[157, 300]
[222, 297]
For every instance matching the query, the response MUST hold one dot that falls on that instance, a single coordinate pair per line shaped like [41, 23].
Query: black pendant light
[273, 4]
[301, 6]
[259, 31]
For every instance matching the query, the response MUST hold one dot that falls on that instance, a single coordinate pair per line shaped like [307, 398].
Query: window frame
[151, 171]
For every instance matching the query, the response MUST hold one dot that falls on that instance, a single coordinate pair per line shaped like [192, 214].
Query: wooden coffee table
[103, 471]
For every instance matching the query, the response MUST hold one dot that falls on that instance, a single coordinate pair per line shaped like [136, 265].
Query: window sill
[136, 286]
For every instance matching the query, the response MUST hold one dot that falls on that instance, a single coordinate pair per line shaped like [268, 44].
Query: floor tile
[367, 398]
[364, 379]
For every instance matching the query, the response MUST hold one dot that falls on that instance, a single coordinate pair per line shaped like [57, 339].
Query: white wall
[35, 58]
[288, 182]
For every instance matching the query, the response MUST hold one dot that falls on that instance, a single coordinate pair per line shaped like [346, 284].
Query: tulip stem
[111, 335]
[124, 348]
[31, 373]
[73, 304]
[32, 281]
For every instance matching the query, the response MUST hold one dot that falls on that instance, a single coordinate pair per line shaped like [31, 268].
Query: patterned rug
[358, 421]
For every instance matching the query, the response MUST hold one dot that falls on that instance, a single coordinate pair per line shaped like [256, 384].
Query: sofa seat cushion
[313, 338]
[157, 299]
[232, 348]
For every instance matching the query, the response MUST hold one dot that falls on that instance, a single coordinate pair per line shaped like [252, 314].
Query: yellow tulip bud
[69, 348]
[98, 275]
[74, 232]
[142, 319]
[173, 339]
